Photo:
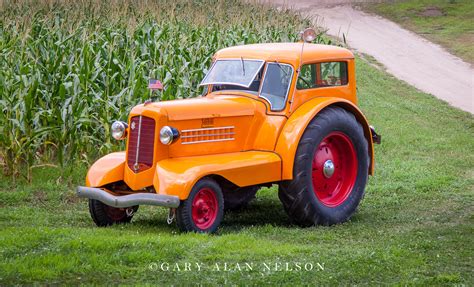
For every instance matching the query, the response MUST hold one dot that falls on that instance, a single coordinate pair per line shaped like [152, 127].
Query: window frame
[262, 63]
[287, 90]
[329, 86]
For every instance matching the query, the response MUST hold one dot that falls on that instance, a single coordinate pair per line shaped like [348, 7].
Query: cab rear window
[326, 74]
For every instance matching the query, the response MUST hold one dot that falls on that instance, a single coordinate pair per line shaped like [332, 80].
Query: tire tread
[296, 196]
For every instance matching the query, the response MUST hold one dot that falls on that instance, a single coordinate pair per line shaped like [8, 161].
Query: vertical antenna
[301, 57]
[297, 72]
[308, 35]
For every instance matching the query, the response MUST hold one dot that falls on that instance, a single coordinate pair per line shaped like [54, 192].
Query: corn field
[69, 68]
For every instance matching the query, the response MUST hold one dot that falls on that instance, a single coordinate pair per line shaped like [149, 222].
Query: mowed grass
[448, 23]
[415, 225]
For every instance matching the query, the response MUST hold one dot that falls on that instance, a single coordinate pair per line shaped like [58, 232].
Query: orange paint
[296, 124]
[106, 170]
[176, 176]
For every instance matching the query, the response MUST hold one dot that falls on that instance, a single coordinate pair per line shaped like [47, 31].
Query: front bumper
[129, 199]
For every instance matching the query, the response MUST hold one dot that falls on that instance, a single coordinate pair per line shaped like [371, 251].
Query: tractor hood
[206, 125]
[215, 124]
[207, 107]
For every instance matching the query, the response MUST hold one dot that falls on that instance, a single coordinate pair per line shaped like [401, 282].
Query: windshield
[238, 72]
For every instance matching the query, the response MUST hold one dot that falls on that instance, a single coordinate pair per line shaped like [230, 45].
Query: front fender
[106, 170]
[295, 126]
[177, 176]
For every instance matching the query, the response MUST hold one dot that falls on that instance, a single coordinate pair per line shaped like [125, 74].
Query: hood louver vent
[207, 135]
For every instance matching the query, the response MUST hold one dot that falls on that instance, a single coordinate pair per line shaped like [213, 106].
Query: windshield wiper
[243, 66]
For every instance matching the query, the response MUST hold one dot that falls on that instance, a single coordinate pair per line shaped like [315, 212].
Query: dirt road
[406, 55]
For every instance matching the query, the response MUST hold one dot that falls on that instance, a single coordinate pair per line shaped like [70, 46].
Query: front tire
[330, 170]
[203, 210]
[105, 215]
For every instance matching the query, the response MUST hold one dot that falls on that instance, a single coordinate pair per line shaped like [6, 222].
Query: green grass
[453, 28]
[415, 225]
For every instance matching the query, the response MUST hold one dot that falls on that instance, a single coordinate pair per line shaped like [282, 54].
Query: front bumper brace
[128, 200]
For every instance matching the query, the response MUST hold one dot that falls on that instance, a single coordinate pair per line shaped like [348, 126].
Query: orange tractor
[282, 113]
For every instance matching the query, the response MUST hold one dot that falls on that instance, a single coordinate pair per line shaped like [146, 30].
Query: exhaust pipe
[129, 199]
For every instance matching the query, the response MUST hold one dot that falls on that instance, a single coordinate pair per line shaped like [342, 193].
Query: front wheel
[203, 210]
[105, 215]
[330, 170]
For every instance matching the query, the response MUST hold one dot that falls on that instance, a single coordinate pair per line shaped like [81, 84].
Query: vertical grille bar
[136, 167]
[141, 143]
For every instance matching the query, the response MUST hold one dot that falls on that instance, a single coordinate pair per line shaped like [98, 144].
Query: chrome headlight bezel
[168, 135]
[118, 130]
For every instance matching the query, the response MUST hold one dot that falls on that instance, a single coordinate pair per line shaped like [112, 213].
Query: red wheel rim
[204, 208]
[116, 214]
[334, 169]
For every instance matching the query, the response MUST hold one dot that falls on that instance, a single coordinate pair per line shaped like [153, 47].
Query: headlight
[119, 130]
[168, 135]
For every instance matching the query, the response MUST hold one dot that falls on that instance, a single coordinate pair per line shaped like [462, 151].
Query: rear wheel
[330, 170]
[203, 210]
[105, 215]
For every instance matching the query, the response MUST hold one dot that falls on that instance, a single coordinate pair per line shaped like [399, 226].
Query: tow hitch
[376, 138]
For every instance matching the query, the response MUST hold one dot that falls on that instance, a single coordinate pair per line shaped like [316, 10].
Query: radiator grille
[141, 143]
[207, 135]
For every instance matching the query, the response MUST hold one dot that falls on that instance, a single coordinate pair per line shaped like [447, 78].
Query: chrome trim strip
[207, 135]
[208, 129]
[229, 83]
[262, 79]
[121, 201]
[208, 141]
[136, 167]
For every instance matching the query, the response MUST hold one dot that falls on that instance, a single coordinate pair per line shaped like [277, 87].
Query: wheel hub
[334, 169]
[116, 214]
[328, 168]
[204, 208]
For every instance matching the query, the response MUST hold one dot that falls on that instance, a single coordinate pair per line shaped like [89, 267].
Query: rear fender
[177, 176]
[106, 170]
[295, 126]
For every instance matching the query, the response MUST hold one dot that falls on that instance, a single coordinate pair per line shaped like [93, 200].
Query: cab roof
[286, 52]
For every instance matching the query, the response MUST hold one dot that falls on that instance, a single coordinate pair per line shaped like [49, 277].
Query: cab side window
[322, 75]
[276, 83]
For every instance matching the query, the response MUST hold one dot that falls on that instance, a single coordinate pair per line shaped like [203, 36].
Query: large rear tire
[330, 170]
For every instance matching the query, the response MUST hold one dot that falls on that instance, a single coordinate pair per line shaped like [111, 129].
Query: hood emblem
[207, 122]
[133, 126]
